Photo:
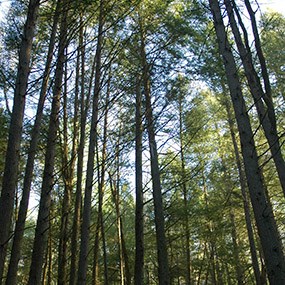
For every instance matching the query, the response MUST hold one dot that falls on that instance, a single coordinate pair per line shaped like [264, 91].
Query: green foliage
[201, 190]
[273, 26]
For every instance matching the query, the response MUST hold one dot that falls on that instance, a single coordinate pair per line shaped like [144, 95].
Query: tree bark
[163, 269]
[115, 189]
[268, 92]
[41, 233]
[239, 272]
[84, 246]
[139, 218]
[185, 199]
[265, 111]
[20, 224]
[101, 184]
[10, 177]
[265, 221]
[242, 180]
[68, 165]
[84, 107]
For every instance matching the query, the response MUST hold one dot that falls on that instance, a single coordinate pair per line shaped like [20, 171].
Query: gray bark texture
[243, 187]
[264, 217]
[10, 176]
[163, 267]
[20, 224]
[42, 226]
[262, 100]
[84, 246]
[139, 222]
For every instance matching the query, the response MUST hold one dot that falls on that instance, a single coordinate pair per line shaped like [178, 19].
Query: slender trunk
[80, 159]
[265, 111]
[101, 186]
[48, 266]
[104, 248]
[268, 93]
[68, 165]
[242, 180]
[124, 266]
[228, 182]
[202, 264]
[139, 224]
[265, 221]
[20, 224]
[185, 199]
[95, 272]
[163, 269]
[125, 256]
[84, 246]
[41, 233]
[212, 264]
[10, 177]
[239, 273]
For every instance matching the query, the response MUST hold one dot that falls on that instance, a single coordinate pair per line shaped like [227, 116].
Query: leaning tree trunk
[163, 269]
[265, 111]
[10, 177]
[41, 233]
[20, 224]
[242, 180]
[264, 217]
[84, 246]
[264, 71]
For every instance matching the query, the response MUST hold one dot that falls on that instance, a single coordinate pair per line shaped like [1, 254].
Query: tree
[266, 225]
[265, 110]
[41, 232]
[20, 224]
[15, 132]
[272, 25]
[139, 257]
[163, 270]
[82, 268]
[138, 141]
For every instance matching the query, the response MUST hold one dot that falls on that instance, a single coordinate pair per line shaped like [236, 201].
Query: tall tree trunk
[115, 189]
[234, 236]
[101, 182]
[239, 273]
[268, 92]
[10, 176]
[242, 180]
[48, 265]
[104, 248]
[265, 221]
[265, 111]
[68, 165]
[84, 107]
[41, 233]
[139, 223]
[20, 224]
[84, 246]
[95, 272]
[163, 269]
[185, 199]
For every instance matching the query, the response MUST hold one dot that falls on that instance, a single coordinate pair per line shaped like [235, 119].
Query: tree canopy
[142, 142]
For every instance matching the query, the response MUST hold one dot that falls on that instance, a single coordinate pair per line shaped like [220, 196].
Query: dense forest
[142, 143]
